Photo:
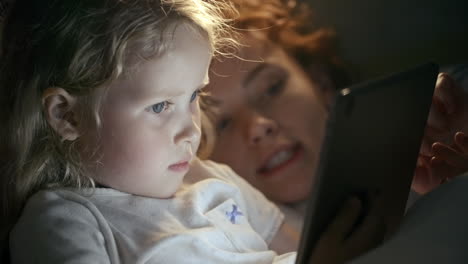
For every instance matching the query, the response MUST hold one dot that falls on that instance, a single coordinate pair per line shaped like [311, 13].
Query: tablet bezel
[409, 88]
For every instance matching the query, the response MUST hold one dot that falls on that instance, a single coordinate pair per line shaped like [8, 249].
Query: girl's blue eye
[194, 95]
[159, 107]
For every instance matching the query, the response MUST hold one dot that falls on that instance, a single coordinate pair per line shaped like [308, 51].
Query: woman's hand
[341, 243]
[450, 161]
[448, 115]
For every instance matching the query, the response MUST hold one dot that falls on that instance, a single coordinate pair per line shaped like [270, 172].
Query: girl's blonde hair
[80, 46]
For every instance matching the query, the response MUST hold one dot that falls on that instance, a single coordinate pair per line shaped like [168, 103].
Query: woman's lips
[180, 167]
[280, 160]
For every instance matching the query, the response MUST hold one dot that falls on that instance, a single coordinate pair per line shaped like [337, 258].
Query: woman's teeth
[279, 158]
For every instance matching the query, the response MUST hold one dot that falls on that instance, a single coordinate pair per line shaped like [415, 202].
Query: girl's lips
[180, 167]
[296, 154]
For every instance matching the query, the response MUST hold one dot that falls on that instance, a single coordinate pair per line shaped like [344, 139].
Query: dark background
[382, 36]
[379, 37]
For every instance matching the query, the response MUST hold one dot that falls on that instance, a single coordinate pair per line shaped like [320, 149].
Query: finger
[437, 175]
[445, 93]
[370, 233]
[345, 219]
[439, 171]
[449, 155]
[422, 181]
[461, 141]
[443, 171]
[437, 120]
[420, 176]
[424, 161]
[432, 135]
[426, 149]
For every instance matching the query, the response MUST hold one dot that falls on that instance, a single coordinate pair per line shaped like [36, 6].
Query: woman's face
[270, 120]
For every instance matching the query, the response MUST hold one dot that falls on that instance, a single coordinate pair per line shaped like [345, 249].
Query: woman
[270, 106]
[271, 102]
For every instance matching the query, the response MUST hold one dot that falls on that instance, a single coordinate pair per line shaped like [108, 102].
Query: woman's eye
[223, 124]
[276, 87]
[159, 107]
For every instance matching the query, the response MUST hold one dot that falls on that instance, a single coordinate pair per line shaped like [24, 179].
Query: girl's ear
[60, 112]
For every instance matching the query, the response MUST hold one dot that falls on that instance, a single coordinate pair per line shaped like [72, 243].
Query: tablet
[372, 141]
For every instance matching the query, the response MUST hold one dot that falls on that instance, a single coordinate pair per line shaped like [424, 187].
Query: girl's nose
[261, 128]
[190, 132]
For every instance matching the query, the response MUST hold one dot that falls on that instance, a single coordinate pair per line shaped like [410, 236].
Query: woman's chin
[289, 195]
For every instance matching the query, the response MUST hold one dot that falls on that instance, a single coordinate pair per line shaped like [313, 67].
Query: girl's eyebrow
[155, 94]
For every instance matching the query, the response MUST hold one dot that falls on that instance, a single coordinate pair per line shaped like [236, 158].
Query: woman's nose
[261, 128]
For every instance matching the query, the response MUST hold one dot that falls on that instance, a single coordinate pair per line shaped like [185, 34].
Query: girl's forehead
[182, 67]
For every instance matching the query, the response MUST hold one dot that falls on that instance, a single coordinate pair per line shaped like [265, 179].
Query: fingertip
[437, 147]
[425, 149]
[445, 85]
[440, 77]
[460, 138]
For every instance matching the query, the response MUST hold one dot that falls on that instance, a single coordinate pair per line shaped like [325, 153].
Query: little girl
[102, 129]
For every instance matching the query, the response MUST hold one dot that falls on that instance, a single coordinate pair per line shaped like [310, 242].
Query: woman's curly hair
[290, 25]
